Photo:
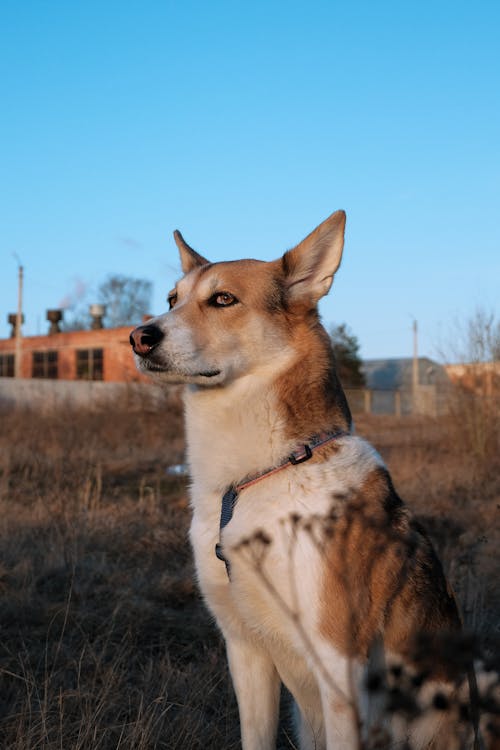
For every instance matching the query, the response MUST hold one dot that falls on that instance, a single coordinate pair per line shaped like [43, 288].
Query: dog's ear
[309, 267]
[189, 258]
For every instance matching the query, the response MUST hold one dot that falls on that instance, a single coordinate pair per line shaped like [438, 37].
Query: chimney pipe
[54, 317]
[12, 320]
[97, 312]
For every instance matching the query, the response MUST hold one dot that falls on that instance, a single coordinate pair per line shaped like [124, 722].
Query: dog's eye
[222, 299]
[171, 299]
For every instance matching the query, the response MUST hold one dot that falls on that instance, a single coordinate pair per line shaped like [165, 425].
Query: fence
[429, 400]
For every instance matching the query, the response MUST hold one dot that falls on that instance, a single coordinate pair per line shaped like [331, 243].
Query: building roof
[396, 373]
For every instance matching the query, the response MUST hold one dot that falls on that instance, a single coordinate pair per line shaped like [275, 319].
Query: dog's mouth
[151, 367]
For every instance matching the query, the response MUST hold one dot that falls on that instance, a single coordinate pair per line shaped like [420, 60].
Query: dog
[313, 568]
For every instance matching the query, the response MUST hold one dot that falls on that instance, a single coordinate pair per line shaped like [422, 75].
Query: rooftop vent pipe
[54, 317]
[97, 313]
[12, 320]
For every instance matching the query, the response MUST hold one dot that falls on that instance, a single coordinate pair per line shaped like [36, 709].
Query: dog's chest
[274, 548]
[274, 544]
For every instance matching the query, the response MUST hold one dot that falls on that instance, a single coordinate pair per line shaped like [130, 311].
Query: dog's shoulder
[355, 461]
[375, 538]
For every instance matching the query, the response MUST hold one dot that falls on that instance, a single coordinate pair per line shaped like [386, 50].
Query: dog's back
[324, 564]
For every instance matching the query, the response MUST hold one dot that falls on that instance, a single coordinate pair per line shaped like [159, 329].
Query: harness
[231, 495]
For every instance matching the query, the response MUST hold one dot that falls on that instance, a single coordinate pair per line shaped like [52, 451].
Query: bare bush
[474, 401]
[473, 340]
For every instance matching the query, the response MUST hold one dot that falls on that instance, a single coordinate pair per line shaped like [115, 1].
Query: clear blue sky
[244, 125]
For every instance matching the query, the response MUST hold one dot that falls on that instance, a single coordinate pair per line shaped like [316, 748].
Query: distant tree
[75, 319]
[346, 349]
[75, 307]
[126, 299]
[472, 340]
[483, 336]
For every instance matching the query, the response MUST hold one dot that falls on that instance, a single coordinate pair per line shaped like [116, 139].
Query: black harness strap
[230, 496]
[229, 499]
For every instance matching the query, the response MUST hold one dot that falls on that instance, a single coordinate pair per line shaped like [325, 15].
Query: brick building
[481, 377]
[96, 354]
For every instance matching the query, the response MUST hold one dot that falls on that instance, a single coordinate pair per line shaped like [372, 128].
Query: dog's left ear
[190, 259]
[310, 266]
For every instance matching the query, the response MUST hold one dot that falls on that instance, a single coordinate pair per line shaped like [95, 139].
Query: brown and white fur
[327, 565]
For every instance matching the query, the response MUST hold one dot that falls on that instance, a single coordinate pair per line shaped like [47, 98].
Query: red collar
[302, 453]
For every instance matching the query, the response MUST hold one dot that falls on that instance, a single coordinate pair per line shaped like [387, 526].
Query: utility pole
[19, 320]
[414, 380]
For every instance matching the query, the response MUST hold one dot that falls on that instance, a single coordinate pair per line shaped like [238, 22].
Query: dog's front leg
[257, 686]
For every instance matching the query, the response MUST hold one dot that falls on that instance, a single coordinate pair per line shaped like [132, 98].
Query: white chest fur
[275, 559]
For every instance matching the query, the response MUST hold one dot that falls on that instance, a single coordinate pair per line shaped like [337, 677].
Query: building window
[6, 365]
[89, 364]
[44, 365]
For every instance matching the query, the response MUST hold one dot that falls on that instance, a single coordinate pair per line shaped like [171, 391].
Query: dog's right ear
[190, 259]
[309, 268]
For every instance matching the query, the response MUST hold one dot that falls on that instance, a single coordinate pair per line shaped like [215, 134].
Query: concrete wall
[51, 395]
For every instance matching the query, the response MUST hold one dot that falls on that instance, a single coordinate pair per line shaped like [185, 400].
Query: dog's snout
[144, 338]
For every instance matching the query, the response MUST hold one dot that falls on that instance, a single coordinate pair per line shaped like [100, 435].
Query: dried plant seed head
[418, 680]
[464, 712]
[261, 536]
[374, 682]
[396, 671]
[441, 702]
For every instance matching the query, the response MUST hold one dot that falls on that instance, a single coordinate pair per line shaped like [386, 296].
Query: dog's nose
[144, 338]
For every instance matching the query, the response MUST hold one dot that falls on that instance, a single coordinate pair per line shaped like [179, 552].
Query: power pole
[414, 380]
[19, 320]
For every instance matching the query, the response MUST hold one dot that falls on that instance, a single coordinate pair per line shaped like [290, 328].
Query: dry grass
[104, 642]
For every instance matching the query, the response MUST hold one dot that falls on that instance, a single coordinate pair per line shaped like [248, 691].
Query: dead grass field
[104, 642]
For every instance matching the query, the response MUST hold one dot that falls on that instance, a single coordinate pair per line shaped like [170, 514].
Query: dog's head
[235, 318]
